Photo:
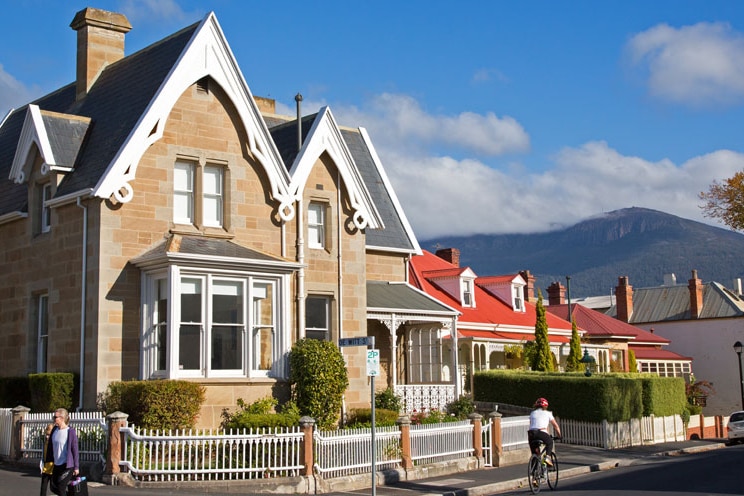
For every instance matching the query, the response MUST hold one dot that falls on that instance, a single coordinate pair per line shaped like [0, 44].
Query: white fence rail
[195, 455]
[90, 427]
[432, 443]
[634, 432]
[6, 430]
[346, 452]
[514, 432]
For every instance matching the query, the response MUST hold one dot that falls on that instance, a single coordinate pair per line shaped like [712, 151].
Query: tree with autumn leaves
[725, 201]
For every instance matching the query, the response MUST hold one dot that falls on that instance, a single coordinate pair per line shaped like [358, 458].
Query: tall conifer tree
[542, 359]
[573, 363]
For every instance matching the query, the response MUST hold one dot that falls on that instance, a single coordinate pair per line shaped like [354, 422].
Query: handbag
[47, 468]
[77, 487]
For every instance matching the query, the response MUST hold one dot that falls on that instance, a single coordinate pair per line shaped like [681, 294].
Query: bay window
[205, 324]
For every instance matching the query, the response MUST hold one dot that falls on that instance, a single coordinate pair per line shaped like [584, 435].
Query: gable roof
[671, 303]
[128, 105]
[601, 326]
[395, 233]
[490, 313]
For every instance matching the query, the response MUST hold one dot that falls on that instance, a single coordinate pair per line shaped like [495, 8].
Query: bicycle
[538, 469]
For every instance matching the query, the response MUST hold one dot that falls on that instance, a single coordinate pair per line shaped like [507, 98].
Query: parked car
[736, 427]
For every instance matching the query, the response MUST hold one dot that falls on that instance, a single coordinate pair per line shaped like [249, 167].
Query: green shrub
[160, 404]
[260, 414]
[461, 408]
[388, 400]
[50, 391]
[318, 378]
[362, 417]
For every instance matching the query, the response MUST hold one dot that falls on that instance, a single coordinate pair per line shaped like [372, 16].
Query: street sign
[361, 341]
[373, 363]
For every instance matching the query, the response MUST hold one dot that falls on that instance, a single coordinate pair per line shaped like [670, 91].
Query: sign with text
[360, 341]
[373, 363]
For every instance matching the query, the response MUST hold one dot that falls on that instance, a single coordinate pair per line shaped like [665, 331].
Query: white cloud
[153, 10]
[695, 65]
[442, 195]
[13, 93]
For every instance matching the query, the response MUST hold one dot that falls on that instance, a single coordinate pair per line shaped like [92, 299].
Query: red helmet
[541, 402]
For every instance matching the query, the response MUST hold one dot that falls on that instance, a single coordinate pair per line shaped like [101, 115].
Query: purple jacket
[73, 458]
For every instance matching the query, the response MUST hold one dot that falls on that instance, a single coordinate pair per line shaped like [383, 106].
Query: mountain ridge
[640, 243]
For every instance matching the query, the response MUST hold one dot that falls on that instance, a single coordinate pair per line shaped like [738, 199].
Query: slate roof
[210, 247]
[401, 297]
[670, 303]
[283, 130]
[490, 312]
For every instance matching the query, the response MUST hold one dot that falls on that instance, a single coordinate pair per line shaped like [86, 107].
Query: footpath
[573, 460]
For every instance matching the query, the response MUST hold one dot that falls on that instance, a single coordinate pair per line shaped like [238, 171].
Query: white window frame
[45, 211]
[176, 275]
[468, 293]
[316, 225]
[326, 329]
[42, 332]
[213, 196]
[185, 193]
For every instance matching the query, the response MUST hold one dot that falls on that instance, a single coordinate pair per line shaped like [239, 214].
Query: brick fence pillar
[497, 449]
[476, 420]
[307, 425]
[116, 447]
[16, 439]
[404, 423]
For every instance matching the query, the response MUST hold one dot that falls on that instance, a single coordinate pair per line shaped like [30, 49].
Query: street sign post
[373, 370]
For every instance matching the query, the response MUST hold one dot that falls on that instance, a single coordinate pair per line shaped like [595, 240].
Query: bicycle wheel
[553, 472]
[533, 474]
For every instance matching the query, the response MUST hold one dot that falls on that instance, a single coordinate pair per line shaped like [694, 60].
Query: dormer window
[468, 297]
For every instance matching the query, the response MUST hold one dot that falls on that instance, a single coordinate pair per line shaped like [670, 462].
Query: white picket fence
[90, 427]
[346, 452]
[613, 435]
[431, 443]
[203, 455]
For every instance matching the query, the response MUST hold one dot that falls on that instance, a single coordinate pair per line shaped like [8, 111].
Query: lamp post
[737, 349]
[588, 362]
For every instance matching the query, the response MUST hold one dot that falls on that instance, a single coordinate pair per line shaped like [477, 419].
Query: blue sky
[489, 117]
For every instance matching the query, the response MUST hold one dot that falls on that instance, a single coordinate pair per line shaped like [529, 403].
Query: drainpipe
[300, 236]
[340, 272]
[83, 298]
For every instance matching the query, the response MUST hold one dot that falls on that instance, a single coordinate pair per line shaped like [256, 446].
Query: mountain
[640, 243]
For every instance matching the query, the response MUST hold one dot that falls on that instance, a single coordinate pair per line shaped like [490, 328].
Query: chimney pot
[100, 42]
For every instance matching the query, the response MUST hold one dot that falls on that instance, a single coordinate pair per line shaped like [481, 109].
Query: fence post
[116, 447]
[497, 448]
[476, 419]
[719, 426]
[16, 443]
[404, 424]
[307, 424]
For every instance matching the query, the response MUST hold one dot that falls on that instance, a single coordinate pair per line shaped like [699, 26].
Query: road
[716, 472]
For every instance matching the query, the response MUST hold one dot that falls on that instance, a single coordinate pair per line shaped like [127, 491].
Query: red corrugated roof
[598, 325]
[488, 311]
[656, 354]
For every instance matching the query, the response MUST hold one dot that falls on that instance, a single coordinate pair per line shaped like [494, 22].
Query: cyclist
[540, 419]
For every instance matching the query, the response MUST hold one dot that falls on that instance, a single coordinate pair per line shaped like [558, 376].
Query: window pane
[316, 225]
[227, 344]
[263, 326]
[189, 347]
[161, 323]
[212, 201]
[183, 193]
[227, 302]
[316, 313]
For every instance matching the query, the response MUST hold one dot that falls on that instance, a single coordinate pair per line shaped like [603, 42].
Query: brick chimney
[529, 289]
[556, 293]
[452, 255]
[696, 295]
[100, 42]
[624, 298]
